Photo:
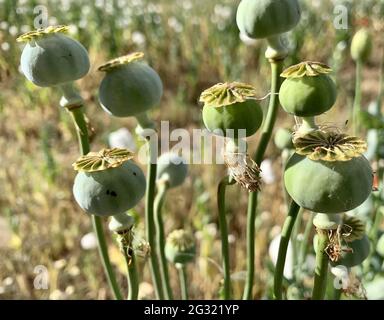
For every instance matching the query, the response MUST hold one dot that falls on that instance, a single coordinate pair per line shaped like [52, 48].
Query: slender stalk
[269, 122]
[224, 237]
[160, 239]
[77, 116]
[304, 245]
[294, 241]
[183, 281]
[149, 220]
[321, 270]
[357, 100]
[133, 279]
[284, 241]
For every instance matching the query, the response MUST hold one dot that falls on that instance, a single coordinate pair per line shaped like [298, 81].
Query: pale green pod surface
[328, 186]
[171, 168]
[361, 46]
[129, 89]
[243, 115]
[283, 139]
[110, 192]
[307, 96]
[327, 221]
[121, 222]
[360, 251]
[380, 246]
[53, 59]
[266, 18]
[231, 106]
[375, 288]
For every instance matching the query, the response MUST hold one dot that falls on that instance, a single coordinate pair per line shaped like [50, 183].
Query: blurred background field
[193, 44]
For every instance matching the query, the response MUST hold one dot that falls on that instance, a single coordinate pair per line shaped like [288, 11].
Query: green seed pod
[172, 169]
[121, 222]
[327, 221]
[357, 253]
[283, 139]
[328, 173]
[130, 87]
[108, 183]
[380, 246]
[266, 18]
[232, 107]
[307, 90]
[180, 247]
[361, 46]
[51, 58]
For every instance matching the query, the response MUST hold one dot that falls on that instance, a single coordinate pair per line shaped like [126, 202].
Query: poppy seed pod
[307, 91]
[361, 46]
[283, 139]
[130, 87]
[230, 107]
[121, 222]
[172, 169]
[357, 253]
[180, 247]
[51, 58]
[108, 182]
[328, 173]
[262, 19]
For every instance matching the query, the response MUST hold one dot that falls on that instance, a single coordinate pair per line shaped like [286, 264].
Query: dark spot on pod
[107, 192]
[113, 194]
[134, 173]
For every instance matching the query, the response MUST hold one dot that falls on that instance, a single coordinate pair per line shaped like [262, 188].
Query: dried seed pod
[52, 58]
[108, 182]
[130, 87]
[307, 90]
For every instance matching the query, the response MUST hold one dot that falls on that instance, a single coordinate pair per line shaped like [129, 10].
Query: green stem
[284, 241]
[304, 245]
[103, 251]
[149, 220]
[357, 99]
[183, 281]
[321, 270]
[269, 122]
[78, 118]
[159, 201]
[133, 278]
[224, 237]
[294, 241]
